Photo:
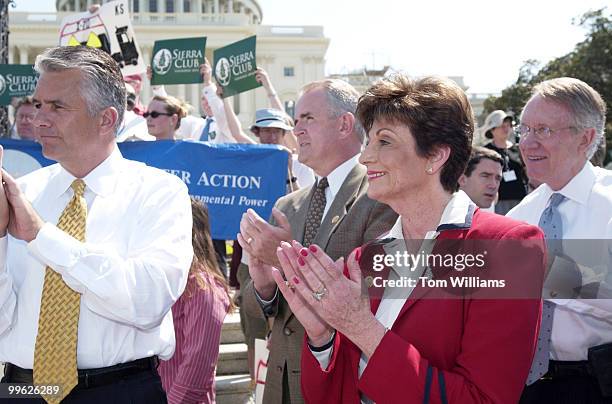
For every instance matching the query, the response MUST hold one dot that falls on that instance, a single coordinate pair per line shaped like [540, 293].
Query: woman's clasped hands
[319, 294]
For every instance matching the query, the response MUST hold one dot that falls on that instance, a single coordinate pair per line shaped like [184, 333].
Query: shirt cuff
[55, 248]
[209, 90]
[324, 356]
[266, 305]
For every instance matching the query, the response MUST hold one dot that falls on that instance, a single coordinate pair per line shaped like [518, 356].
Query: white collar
[578, 189]
[101, 180]
[338, 175]
[457, 214]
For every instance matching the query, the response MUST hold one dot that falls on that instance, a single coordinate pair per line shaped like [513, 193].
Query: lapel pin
[335, 219]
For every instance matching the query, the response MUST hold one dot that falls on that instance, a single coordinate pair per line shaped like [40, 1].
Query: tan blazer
[352, 220]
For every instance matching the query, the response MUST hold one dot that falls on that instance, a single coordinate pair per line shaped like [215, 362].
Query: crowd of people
[112, 287]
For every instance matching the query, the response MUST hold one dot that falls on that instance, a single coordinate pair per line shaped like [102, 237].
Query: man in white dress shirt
[119, 255]
[561, 127]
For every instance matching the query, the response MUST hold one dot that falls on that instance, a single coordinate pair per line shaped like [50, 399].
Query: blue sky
[485, 41]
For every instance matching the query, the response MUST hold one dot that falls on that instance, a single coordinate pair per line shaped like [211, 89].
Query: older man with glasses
[562, 126]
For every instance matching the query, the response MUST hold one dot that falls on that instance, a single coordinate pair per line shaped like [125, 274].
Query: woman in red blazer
[406, 341]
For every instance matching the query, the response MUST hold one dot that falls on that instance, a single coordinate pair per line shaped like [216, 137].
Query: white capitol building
[292, 55]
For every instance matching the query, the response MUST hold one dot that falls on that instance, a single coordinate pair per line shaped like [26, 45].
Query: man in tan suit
[330, 141]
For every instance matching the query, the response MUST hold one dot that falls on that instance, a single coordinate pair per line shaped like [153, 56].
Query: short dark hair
[435, 109]
[479, 153]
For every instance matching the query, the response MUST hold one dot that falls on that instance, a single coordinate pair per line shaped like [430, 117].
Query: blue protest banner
[229, 178]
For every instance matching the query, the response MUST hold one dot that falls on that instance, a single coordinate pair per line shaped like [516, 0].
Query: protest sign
[261, 368]
[229, 178]
[177, 61]
[109, 29]
[235, 65]
[16, 81]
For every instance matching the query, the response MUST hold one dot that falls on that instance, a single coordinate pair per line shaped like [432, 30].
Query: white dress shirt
[454, 213]
[336, 179]
[578, 324]
[131, 269]
[219, 125]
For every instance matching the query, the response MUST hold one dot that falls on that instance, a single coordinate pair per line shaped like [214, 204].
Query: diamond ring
[319, 294]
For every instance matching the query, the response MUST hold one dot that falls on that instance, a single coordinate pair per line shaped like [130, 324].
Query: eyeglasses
[155, 114]
[541, 133]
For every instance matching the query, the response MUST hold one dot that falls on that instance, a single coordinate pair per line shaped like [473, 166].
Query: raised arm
[215, 103]
[233, 123]
[159, 90]
[262, 77]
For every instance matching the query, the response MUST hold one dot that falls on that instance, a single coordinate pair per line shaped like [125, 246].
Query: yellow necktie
[55, 352]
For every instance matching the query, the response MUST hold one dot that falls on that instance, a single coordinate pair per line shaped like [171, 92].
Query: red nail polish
[358, 255]
[313, 248]
[304, 252]
[301, 261]
[296, 280]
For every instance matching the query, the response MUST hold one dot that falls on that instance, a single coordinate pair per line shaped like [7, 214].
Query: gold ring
[248, 240]
[289, 285]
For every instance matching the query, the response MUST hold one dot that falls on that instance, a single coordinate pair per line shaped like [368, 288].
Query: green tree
[590, 61]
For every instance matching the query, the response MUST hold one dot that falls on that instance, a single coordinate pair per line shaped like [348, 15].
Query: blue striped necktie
[206, 130]
[552, 225]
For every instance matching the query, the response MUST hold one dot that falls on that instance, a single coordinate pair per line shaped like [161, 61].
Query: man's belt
[561, 369]
[89, 378]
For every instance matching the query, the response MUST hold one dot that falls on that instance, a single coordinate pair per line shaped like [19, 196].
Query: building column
[145, 93]
[180, 6]
[216, 11]
[23, 55]
[197, 7]
[195, 98]
[230, 6]
[319, 68]
[305, 75]
[11, 54]
[159, 5]
[180, 89]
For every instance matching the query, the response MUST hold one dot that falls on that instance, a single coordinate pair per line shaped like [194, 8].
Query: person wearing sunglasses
[164, 116]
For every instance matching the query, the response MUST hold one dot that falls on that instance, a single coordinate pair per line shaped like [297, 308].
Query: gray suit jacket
[352, 220]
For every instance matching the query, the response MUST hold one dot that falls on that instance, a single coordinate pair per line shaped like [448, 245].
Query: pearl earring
[429, 170]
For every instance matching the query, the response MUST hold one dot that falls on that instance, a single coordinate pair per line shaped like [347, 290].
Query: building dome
[249, 8]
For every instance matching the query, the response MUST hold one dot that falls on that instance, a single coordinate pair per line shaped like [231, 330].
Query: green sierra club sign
[235, 67]
[177, 61]
[16, 81]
